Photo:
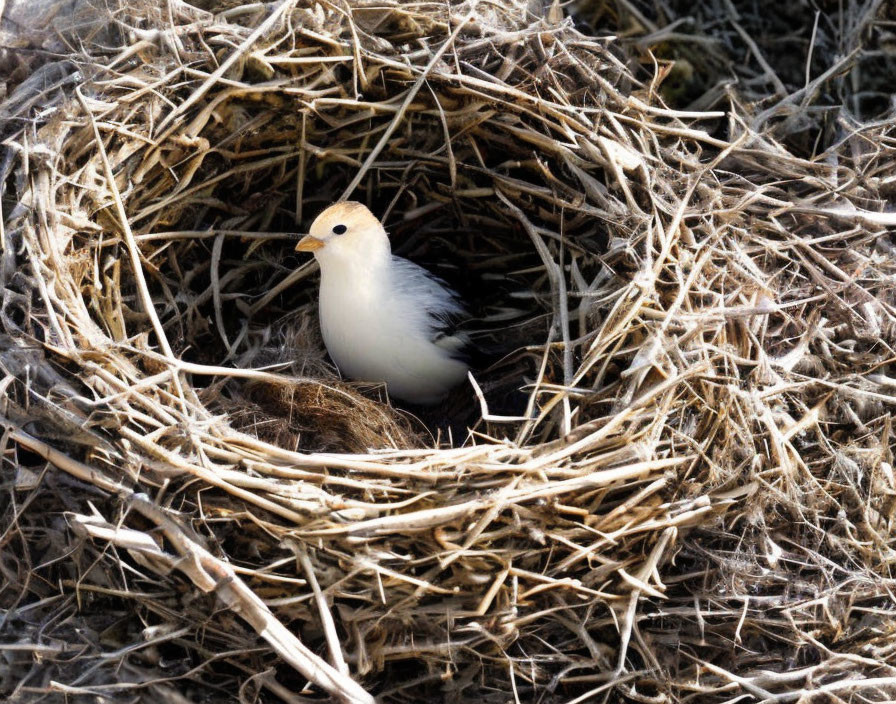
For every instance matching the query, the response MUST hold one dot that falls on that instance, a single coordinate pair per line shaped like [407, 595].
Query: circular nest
[690, 409]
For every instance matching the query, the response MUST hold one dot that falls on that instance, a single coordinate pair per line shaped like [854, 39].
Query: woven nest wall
[678, 482]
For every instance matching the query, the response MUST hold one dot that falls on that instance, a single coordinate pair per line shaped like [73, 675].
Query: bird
[384, 318]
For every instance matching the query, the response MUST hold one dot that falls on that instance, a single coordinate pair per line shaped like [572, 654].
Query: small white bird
[384, 318]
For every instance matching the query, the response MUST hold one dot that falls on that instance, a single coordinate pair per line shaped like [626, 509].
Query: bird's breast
[354, 323]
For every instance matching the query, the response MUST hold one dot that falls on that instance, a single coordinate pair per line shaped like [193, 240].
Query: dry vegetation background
[682, 489]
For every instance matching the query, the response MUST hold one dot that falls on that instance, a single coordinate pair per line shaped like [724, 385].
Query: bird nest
[676, 482]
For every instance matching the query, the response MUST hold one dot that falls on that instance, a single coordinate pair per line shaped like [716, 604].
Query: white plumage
[383, 318]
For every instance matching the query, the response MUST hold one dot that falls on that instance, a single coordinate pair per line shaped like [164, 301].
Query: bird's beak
[309, 244]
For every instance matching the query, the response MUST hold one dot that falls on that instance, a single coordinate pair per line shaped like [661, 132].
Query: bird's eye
[339, 229]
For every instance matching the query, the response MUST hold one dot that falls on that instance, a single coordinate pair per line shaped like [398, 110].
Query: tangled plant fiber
[694, 499]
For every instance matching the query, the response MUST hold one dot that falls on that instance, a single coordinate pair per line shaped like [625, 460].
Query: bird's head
[345, 230]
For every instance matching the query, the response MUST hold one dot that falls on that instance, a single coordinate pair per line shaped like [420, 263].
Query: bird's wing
[444, 308]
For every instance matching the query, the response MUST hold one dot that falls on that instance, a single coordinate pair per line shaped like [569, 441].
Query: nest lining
[683, 391]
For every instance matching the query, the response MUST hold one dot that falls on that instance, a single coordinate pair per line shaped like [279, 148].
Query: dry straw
[694, 499]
